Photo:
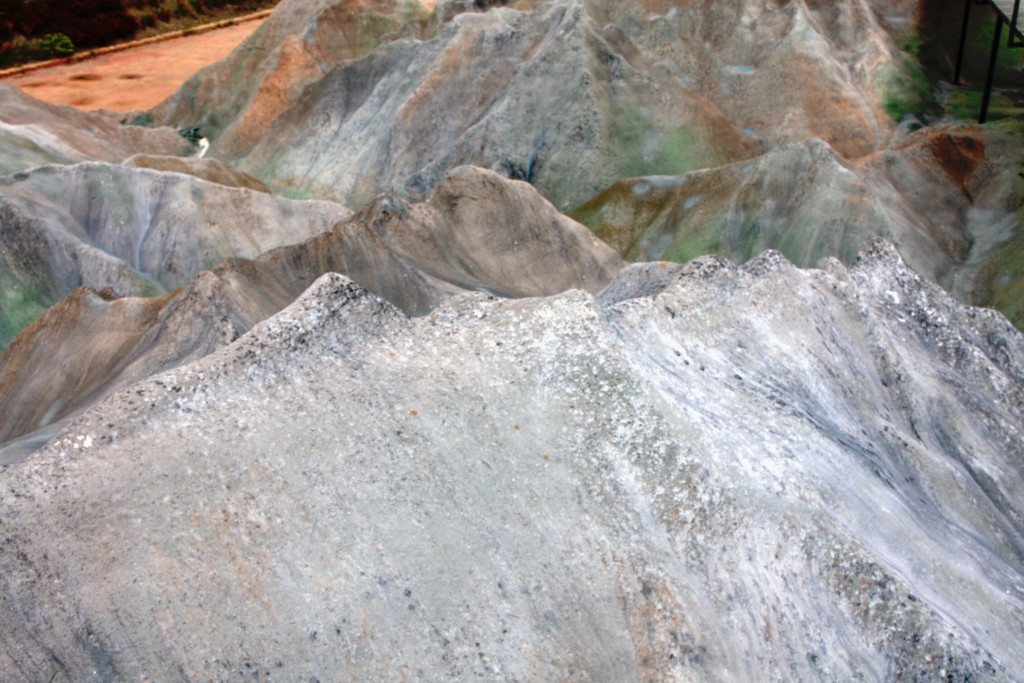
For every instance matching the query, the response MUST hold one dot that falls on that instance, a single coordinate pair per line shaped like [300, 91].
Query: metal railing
[1016, 39]
[1004, 15]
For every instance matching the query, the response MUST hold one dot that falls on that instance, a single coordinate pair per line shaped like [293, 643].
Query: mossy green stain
[676, 154]
[689, 245]
[674, 151]
[1001, 279]
[907, 90]
[21, 303]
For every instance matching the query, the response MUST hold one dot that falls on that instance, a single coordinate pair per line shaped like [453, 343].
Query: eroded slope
[739, 474]
[134, 230]
[477, 232]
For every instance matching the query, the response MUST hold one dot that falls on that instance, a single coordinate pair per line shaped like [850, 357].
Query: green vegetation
[906, 90]
[165, 16]
[965, 103]
[192, 134]
[20, 305]
[911, 44]
[57, 44]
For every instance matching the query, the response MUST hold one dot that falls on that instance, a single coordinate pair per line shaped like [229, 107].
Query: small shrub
[191, 134]
[57, 44]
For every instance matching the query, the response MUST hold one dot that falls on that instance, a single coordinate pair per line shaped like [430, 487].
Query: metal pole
[963, 42]
[1011, 41]
[996, 39]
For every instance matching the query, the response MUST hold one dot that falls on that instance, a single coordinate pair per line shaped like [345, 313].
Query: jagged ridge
[739, 473]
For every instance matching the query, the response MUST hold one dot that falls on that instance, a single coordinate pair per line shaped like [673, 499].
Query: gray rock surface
[35, 133]
[749, 473]
[135, 230]
[478, 232]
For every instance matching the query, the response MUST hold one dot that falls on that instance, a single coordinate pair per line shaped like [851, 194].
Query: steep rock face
[34, 133]
[946, 195]
[529, 94]
[786, 71]
[577, 95]
[236, 99]
[734, 474]
[478, 231]
[570, 95]
[134, 230]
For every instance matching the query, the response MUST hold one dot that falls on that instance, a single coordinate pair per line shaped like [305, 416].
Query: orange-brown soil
[136, 78]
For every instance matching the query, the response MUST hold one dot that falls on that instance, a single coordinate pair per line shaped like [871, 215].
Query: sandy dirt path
[137, 78]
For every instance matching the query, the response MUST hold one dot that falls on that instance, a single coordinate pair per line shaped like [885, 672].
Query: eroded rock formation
[478, 232]
[947, 195]
[441, 438]
[740, 473]
[581, 97]
[133, 230]
[569, 94]
[34, 133]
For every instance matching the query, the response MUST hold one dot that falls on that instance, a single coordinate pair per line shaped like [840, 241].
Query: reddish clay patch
[958, 155]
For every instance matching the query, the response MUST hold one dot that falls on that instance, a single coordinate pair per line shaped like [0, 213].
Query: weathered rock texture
[698, 472]
[134, 230]
[238, 98]
[947, 195]
[478, 232]
[212, 170]
[568, 94]
[746, 473]
[582, 97]
[34, 133]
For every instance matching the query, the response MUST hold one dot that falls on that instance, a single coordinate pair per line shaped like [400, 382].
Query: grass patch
[965, 103]
[183, 15]
[907, 90]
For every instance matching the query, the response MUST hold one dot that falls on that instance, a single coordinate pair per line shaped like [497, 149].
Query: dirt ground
[137, 78]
